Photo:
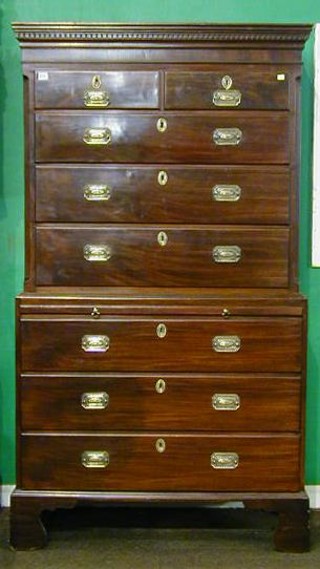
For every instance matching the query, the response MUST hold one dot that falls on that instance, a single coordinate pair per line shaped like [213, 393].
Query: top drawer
[87, 89]
[242, 88]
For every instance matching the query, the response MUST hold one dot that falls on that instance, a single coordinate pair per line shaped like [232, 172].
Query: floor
[104, 539]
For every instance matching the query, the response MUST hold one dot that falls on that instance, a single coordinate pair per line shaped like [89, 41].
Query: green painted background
[11, 173]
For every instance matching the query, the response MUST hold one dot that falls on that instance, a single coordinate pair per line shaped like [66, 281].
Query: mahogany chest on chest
[161, 334]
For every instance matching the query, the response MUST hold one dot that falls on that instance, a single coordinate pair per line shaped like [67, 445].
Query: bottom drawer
[160, 462]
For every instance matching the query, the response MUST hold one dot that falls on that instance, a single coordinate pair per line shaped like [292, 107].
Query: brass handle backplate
[226, 193]
[95, 343]
[96, 192]
[226, 344]
[97, 136]
[225, 460]
[227, 136]
[226, 401]
[96, 253]
[95, 400]
[223, 98]
[95, 458]
[226, 254]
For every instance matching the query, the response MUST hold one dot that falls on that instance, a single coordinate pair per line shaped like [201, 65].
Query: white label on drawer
[42, 76]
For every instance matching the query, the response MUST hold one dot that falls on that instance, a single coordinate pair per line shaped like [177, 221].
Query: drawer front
[166, 194]
[236, 88]
[160, 462]
[162, 257]
[96, 90]
[140, 402]
[170, 344]
[237, 138]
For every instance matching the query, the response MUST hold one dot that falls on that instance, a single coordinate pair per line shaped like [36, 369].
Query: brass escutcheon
[163, 178]
[160, 386]
[161, 330]
[162, 124]
[160, 445]
[162, 238]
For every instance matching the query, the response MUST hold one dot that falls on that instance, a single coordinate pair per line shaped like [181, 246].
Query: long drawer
[191, 344]
[167, 194]
[246, 137]
[162, 256]
[54, 402]
[160, 462]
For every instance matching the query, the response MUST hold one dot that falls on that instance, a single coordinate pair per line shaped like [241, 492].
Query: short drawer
[162, 256]
[96, 90]
[237, 88]
[167, 194]
[54, 402]
[211, 138]
[196, 344]
[160, 461]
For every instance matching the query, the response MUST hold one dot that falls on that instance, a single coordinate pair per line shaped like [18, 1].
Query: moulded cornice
[148, 33]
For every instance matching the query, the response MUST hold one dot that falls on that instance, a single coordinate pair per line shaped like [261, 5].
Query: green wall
[11, 174]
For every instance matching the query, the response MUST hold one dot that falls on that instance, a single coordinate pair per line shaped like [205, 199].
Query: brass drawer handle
[95, 459]
[94, 96]
[226, 193]
[96, 192]
[163, 178]
[99, 253]
[162, 125]
[223, 98]
[226, 254]
[227, 136]
[98, 400]
[160, 386]
[225, 460]
[95, 343]
[97, 136]
[226, 344]
[161, 330]
[160, 445]
[226, 401]
[226, 97]
[162, 238]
